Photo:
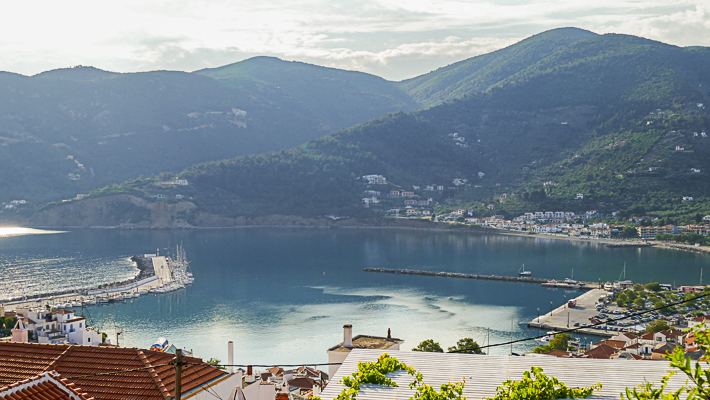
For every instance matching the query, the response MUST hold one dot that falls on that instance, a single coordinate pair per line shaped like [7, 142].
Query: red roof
[47, 386]
[155, 380]
[602, 351]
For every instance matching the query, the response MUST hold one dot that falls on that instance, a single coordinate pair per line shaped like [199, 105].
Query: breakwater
[456, 275]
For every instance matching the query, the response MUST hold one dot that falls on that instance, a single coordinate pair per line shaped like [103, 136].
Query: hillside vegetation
[602, 115]
[120, 126]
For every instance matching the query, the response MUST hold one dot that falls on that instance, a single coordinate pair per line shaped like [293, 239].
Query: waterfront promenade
[564, 318]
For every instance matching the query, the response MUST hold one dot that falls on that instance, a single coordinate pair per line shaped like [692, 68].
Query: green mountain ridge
[603, 116]
[478, 74]
[122, 125]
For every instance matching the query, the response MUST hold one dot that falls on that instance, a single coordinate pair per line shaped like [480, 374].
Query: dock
[564, 317]
[457, 275]
[525, 279]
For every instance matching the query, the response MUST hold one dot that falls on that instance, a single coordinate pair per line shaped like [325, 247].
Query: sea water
[282, 295]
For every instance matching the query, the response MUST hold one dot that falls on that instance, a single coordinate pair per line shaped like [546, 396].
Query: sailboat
[623, 282]
[523, 272]
[571, 280]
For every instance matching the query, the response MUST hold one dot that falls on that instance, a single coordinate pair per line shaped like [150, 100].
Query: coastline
[416, 225]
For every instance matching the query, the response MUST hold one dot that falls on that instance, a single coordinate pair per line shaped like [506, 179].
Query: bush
[429, 345]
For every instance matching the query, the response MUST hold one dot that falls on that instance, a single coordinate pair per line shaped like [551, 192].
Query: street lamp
[568, 319]
[550, 308]
[538, 316]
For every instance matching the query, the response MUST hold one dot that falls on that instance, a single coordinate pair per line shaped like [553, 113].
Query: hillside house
[687, 198]
[579, 196]
[430, 187]
[695, 170]
[375, 179]
[415, 187]
[371, 193]
[410, 202]
[678, 148]
[179, 182]
[394, 193]
[423, 203]
[407, 194]
[440, 188]
[9, 206]
[481, 174]
[18, 202]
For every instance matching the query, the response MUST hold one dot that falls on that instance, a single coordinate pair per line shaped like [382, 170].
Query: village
[587, 223]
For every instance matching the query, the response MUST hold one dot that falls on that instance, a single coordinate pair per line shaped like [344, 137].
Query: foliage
[697, 385]
[215, 363]
[374, 373]
[690, 238]
[654, 286]
[559, 342]
[657, 326]
[629, 232]
[466, 346]
[429, 345]
[537, 386]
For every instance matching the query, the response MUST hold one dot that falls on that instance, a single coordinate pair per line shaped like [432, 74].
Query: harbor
[157, 275]
[566, 317]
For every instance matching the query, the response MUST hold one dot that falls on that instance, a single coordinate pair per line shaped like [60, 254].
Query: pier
[524, 279]
[564, 317]
[457, 275]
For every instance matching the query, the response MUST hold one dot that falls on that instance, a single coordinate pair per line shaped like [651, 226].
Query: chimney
[230, 356]
[250, 370]
[389, 333]
[348, 336]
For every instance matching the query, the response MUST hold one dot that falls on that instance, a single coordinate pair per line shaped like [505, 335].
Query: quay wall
[123, 288]
[456, 275]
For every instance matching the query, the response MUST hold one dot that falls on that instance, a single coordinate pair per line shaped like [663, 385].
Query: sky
[393, 39]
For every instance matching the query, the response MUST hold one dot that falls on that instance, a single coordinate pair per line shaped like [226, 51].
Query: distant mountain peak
[79, 73]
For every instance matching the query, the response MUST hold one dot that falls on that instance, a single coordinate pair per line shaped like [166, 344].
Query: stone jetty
[457, 275]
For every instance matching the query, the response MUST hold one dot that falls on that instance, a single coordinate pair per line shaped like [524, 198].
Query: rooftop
[156, 380]
[368, 342]
[484, 373]
[46, 386]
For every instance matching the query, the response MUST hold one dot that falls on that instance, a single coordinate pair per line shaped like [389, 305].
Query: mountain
[103, 127]
[339, 98]
[616, 118]
[478, 74]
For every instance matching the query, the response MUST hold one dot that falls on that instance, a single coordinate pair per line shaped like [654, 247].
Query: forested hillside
[115, 127]
[617, 118]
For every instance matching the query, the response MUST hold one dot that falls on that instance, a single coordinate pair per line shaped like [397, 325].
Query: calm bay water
[283, 295]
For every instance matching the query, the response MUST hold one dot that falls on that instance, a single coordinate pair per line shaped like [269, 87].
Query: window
[79, 324]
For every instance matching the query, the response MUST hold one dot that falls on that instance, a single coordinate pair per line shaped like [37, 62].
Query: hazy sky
[393, 39]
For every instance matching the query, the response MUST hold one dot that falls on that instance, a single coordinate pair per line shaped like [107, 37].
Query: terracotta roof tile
[23, 360]
[47, 386]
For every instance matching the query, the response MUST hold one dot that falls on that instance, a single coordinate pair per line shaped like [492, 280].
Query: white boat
[91, 301]
[67, 305]
[571, 280]
[136, 295]
[523, 272]
[142, 292]
[546, 339]
[127, 296]
[76, 303]
[103, 300]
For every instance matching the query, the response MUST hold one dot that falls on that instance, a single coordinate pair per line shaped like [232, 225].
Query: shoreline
[442, 227]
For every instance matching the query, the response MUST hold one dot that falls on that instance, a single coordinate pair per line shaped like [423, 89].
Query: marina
[160, 274]
[253, 282]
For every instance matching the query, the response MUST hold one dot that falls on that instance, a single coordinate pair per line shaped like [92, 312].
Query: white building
[579, 196]
[60, 326]
[179, 182]
[375, 179]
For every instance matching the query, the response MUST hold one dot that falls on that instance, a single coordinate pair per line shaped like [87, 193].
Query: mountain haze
[119, 126]
[478, 74]
[603, 116]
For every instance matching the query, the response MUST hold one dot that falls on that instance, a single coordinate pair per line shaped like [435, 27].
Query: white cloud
[391, 38]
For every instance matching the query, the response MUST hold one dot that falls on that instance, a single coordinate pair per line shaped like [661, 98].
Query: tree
[559, 342]
[429, 345]
[638, 287]
[538, 386]
[657, 326]
[466, 346]
[629, 232]
[639, 302]
[655, 286]
[215, 363]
